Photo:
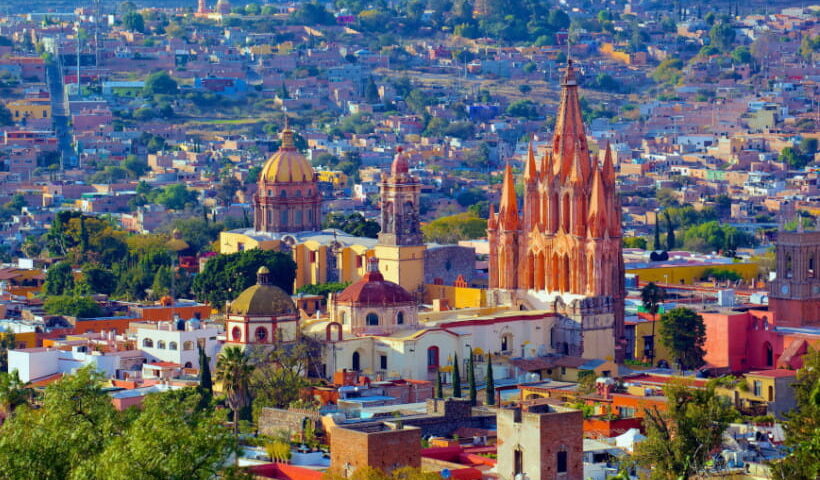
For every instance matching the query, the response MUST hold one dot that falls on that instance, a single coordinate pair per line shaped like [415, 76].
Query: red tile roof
[776, 373]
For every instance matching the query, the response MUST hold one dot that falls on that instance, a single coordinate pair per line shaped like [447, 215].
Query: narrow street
[60, 115]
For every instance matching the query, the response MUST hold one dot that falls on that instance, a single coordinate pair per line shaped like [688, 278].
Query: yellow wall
[338, 179]
[403, 265]
[690, 274]
[457, 297]
[31, 108]
[661, 352]
[23, 340]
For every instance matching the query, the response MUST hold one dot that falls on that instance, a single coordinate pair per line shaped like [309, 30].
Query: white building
[176, 342]
[33, 364]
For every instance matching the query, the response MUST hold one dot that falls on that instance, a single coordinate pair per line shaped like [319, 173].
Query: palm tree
[234, 370]
[652, 296]
[13, 393]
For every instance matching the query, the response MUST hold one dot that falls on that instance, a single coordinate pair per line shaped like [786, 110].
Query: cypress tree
[471, 379]
[658, 234]
[205, 381]
[490, 390]
[670, 232]
[456, 377]
[439, 386]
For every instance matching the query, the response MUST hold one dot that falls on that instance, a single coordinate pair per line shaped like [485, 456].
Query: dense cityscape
[409, 240]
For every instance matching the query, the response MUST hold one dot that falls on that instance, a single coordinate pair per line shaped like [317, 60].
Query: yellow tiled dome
[287, 164]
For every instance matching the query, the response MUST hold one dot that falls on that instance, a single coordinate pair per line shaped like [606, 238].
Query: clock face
[784, 289]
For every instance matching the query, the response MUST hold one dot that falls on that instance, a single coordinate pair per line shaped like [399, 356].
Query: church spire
[569, 140]
[508, 211]
[609, 168]
[530, 172]
[597, 206]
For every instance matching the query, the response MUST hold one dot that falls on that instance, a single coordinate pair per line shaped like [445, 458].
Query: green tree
[523, 109]
[489, 390]
[684, 333]
[174, 197]
[160, 83]
[323, 289]
[722, 36]
[657, 243]
[76, 420]
[99, 279]
[233, 371]
[742, 55]
[635, 242]
[681, 440]
[668, 71]
[456, 377]
[226, 276]
[280, 374]
[206, 385]
[170, 438]
[354, 224]
[471, 380]
[463, 226]
[803, 425]
[439, 387]
[670, 232]
[59, 279]
[8, 341]
[652, 296]
[13, 393]
[75, 306]
[134, 22]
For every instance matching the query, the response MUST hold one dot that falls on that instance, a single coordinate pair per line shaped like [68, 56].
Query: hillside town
[409, 240]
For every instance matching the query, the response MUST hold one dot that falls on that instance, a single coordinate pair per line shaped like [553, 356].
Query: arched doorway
[357, 365]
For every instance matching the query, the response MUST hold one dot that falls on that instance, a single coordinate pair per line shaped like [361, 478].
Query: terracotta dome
[263, 299]
[287, 164]
[373, 289]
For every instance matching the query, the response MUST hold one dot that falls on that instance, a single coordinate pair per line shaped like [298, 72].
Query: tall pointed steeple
[508, 211]
[609, 168]
[569, 140]
[530, 171]
[598, 210]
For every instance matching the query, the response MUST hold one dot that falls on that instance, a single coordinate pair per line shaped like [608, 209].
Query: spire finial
[288, 142]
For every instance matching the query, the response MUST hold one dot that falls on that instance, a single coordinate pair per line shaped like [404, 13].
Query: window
[372, 319]
[284, 194]
[261, 334]
[770, 396]
[161, 344]
[563, 370]
[432, 357]
[344, 318]
[298, 217]
[172, 346]
[283, 217]
[758, 388]
[236, 334]
[626, 412]
[400, 318]
[189, 345]
[562, 462]
[383, 362]
[147, 343]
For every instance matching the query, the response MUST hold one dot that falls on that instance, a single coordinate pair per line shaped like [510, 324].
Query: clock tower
[795, 293]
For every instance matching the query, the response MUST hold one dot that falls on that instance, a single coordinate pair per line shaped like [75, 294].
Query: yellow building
[30, 109]
[688, 274]
[338, 179]
[321, 257]
[23, 339]
[766, 392]
[644, 340]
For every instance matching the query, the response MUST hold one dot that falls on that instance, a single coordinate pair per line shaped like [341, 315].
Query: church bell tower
[400, 249]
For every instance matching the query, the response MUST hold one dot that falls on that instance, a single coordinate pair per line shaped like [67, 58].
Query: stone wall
[447, 262]
[275, 420]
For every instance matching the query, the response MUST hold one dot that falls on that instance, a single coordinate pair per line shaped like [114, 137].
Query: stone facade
[567, 239]
[544, 442]
[275, 420]
[443, 264]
